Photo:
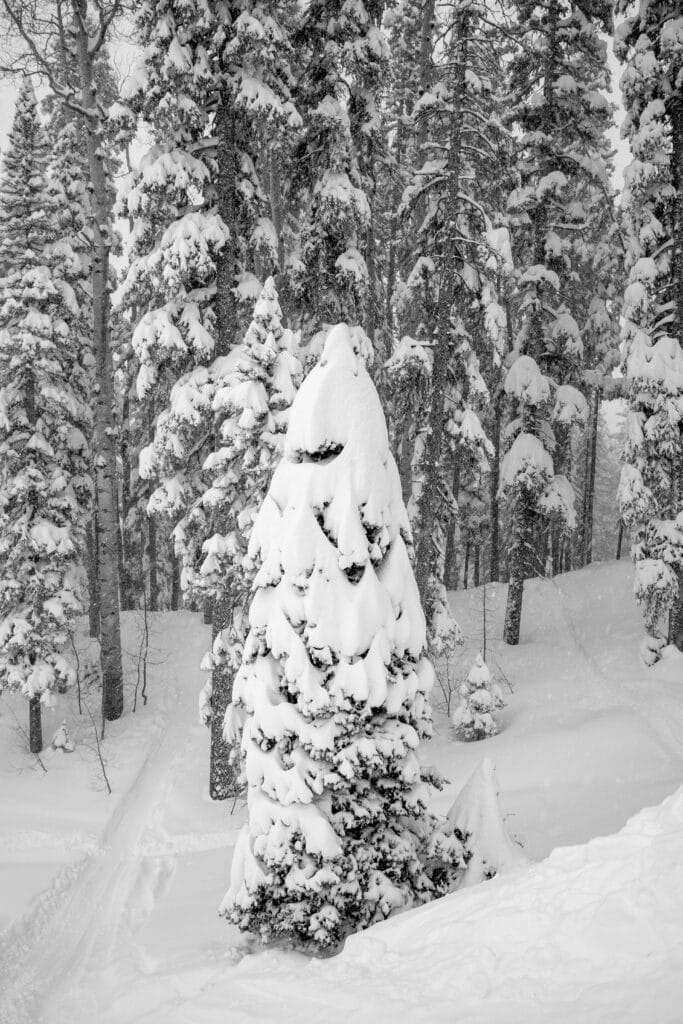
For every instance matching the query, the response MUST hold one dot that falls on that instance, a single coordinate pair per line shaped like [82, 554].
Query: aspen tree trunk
[105, 415]
[425, 560]
[35, 727]
[222, 779]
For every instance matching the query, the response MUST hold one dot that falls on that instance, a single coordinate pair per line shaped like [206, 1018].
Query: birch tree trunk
[105, 416]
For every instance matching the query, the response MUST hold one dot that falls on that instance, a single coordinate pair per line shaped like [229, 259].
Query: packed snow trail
[96, 917]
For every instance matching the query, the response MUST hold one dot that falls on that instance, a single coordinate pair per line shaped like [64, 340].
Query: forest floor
[108, 902]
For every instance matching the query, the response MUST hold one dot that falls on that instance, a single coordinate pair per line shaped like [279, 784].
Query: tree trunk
[620, 538]
[466, 566]
[35, 728]
[589, 503]
[450, 573]
[127, 588]
[494, 502]
[105, 409]
[175, 581]
[426, 555]
[676, 116]
[93, 577]
[222, 779]
[153, 559]
[477, 555]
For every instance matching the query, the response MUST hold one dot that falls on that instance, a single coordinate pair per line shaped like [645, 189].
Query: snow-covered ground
[108, 903]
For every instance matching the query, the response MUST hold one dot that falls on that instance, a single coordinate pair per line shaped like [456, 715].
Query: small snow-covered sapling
[480, 696]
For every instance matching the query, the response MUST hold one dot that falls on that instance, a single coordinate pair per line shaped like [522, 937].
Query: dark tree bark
[494, 501]
[175, 582]
[35, 728]
[93, 577]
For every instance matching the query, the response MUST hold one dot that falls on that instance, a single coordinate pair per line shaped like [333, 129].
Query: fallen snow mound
[592, 934]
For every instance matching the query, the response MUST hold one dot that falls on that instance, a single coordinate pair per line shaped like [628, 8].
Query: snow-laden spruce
[334, 685]
[480, 697]
[44, 419]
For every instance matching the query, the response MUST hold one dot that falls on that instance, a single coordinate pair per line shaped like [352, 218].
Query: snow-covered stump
[332, 694]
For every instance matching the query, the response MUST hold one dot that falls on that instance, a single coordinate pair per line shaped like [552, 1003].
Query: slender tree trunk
[477, 558]
[35, 728]
[523, 512]
[466, 567]
[426, 555]
[175, 581]
[105, 407]
[620, 538]
[93, 576]
[451, 557]
[153, 559]
[127, 589]
[676, 116]
[494, 501]
[592, 442]
[222, 781]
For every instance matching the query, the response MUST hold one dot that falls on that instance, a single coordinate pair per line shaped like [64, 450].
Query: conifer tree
[334, 684]
[480, 697]
[562, 119]
[650, 40]
[215, 83]
[44, 421]
[343, 57]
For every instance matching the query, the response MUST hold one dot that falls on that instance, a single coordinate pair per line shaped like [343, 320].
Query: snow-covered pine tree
[480, 697]
[650, 41]
[342, 59]
[215, 85]
[334, 684]
[562, 117]
[251, 403]
[45, 486]
[446, 300]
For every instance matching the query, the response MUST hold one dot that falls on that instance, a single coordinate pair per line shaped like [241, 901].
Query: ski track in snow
[94, 908]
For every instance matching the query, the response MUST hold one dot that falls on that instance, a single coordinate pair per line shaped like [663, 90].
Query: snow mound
[591, 934]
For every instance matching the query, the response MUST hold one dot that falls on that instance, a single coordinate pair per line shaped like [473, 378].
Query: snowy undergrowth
[588, 738]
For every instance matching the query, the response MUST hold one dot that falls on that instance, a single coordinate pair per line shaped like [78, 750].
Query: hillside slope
[124, 928]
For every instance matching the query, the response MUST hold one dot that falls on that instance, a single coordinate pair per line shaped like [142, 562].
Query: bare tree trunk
[93, 576]
[477, 556]
[105, 407]
[466, 567]
[35, 728]
[153, 559]
[451, 557]
[175, 581]
[127, 589]
[589, 502]
[620, 538]
[494, 502]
